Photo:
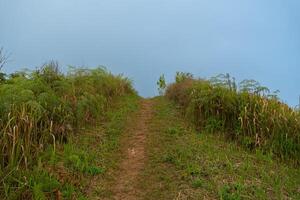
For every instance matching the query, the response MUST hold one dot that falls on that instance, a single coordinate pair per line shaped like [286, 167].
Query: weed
[197, 183]
[231, 192]
[175, 131]
[161, 84]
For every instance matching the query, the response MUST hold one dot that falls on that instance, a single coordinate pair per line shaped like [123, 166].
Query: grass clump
[231, 192]
[247, 112]
[80, 160]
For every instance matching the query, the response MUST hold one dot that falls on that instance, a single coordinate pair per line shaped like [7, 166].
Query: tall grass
[248, 113]
[45, 106]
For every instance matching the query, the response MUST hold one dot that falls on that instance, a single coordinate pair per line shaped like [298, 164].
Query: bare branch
[3, 58]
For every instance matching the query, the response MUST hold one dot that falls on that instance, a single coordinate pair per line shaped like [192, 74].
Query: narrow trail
[133, 151]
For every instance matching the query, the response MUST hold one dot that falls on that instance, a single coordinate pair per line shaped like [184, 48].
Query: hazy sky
[258, 39]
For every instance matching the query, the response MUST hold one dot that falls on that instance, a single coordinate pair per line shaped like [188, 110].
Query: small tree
[224, 80]
[161, 83]
[3, 61]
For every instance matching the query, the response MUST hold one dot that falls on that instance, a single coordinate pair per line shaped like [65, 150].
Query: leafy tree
[224, 80]
[249, 85]
[252, 86]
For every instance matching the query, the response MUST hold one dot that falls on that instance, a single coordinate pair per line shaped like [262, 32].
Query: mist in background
[251, 39]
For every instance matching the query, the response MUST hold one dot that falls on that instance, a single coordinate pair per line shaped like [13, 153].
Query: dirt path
[133, 154]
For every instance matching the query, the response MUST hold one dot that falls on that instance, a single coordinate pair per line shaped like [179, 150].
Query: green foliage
[161, 84]
[41, 183]
[214, 125]
[224, 80]
[197, 183]
[80, 160]
[231, 192]
[68, 191]
[44, 107]
[2, 77]
[175, 131]
[182, 76]
[250, 115]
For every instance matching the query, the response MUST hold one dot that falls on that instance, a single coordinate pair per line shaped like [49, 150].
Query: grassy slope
[81, 168]
[43, 109]
[183, 164]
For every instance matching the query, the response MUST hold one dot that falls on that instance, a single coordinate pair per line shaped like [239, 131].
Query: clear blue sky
[257, 39]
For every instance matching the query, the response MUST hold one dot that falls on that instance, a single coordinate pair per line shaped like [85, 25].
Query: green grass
[93, 155]
[45, 106]
[247, 113]
[42, 111]
[90, 154]
[60, 138]
[186, 164]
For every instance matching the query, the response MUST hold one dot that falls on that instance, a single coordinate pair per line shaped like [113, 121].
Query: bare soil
[133, 151]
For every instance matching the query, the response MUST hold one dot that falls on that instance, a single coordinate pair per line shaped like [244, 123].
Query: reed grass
[247, 112]
[45, 107]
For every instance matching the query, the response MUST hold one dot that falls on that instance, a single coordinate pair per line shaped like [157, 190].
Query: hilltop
[86, 134]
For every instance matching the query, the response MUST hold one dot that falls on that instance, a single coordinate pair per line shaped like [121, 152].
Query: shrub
[161, 84]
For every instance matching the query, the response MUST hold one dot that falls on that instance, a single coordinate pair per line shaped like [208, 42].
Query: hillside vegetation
[186, 163]
[86, 134]
[45, 108]
[247, 113]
